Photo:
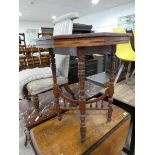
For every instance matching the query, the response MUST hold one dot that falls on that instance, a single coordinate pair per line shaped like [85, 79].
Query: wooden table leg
[82, 101]
[55, 86]
[111, 83]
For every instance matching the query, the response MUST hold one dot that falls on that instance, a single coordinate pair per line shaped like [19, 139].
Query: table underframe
[81, 102]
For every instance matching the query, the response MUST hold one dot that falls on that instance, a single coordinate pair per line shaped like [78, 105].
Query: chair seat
[126, 56]
[41, 85]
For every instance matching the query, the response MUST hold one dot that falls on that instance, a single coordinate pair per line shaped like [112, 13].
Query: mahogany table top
[82, 40]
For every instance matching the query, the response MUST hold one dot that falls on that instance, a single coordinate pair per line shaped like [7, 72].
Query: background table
[62, 138]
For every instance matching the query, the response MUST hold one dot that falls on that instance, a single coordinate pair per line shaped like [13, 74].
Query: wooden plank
[62, 137]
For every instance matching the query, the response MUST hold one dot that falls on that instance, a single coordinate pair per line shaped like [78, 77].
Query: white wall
[108, 19]
[23, 25]
[102, 21]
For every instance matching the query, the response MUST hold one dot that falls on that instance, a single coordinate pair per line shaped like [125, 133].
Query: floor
[22, 149]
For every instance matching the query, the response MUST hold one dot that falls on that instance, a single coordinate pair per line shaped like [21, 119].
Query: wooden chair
[22, 58]
[35, 87]
[36, 59]
[43, 54]
[32, 57]
[29, 57]
[44, 57]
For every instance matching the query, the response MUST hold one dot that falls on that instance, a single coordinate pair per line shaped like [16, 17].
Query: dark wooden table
[62, 138]
[80, 45]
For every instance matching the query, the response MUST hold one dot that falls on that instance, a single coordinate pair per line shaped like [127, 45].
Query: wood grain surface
[82, 40]
[62, 137]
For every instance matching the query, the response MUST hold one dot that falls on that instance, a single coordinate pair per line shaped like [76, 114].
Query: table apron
[106, 49]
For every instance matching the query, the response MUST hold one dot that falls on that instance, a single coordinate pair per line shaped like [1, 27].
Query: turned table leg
[111, 83]
[82, 101]
[55, 86]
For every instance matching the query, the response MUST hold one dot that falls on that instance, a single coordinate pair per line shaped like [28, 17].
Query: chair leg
[24, 63]
[27, 136]
[132, 74]
[128, 72]
[35, 101]
[118, 74]
[27, 63]
[68, 89]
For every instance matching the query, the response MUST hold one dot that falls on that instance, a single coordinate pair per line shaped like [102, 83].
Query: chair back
[62, 26]
[22, 42]
[124, 51]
